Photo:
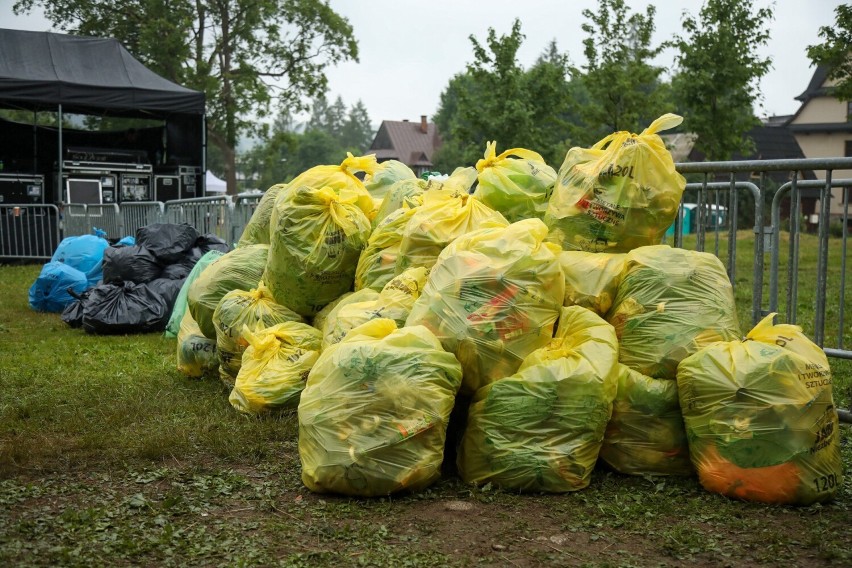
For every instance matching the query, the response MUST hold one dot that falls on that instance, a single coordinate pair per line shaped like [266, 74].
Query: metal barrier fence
[206, 214]
[28, 232]
[139, 214]
[826, 278]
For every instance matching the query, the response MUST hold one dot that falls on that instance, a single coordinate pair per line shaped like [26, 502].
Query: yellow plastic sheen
[442, 218]
[374, 412]
[275, 367]
[385, 175]
[541, 429]
[645, 435]
[760, 417]
[257, 229]
[591, 279]
[196, 355]
[239, 309]
[620, 194]
[315, 247]
[517, 183]
[670, 303]
[240, 269]
[493, 298]
[377, 263]
[393, 302]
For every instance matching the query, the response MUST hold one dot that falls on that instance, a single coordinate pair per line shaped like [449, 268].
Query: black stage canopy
[86, 75]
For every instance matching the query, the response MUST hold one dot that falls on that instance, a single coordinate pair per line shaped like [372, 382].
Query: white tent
[214, 184]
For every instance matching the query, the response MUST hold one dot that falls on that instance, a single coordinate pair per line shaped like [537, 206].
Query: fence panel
[244, 207]
[75, 220]
[828, 279]
[206, 214]
[139, 214]
[28, 231]
[106, 217]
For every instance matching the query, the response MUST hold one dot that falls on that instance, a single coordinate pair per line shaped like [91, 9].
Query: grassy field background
[108, 456]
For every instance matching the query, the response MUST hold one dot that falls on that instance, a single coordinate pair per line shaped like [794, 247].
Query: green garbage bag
[517, 183]
[377, 263]
[670, 303]
[239, 269]
[317, 238]
[373, 415]
[591, 279]
[176, 319]
[620, 194]
[239, 310]
[493, 298]
[275, 366]
[645, 435]
[760, 417]
[434, 225]
[196, 355]
[256, 231]
[541, 429]
[393, 302]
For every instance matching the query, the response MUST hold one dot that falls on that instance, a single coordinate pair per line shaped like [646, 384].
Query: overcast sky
[410, 49]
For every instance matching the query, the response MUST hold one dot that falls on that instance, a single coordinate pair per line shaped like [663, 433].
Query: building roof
[815, 88]
[406, 142]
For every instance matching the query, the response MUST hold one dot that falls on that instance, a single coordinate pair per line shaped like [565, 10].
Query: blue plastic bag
[83, 253]
[49, 293]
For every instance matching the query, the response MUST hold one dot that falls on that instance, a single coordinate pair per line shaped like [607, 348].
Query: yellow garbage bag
[541, 429]
[645, 435]
[591, 279]
[340, 178]
[517, 183]
[373, 415]
[670, 303]
[315, 247]
[319, 320]
[239, 269]
[760, 417]
[196, 355]
[275, 367]
[377, 263]
[410, 192]
[239, 309]
[393, 302]
[620, 194]
[256, 231]
[385, 175]
[436, 223]
[493, 298]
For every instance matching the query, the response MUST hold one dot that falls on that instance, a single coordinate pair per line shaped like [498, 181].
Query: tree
[716, 84]
[242, 53]
[357, 132]
[496, 99]
[624, 90]
[836, 52]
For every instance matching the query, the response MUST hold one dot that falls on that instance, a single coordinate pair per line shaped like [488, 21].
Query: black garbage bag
[209, 241]
[125, 308]
[177, 271]
[168, 242]
[73, 313]
[130, 264]
[168, 289]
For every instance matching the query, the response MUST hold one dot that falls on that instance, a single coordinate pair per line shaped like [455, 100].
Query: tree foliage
[496, 99]
[835, 52]
[716, 84]
[242, 53]
[624, 89]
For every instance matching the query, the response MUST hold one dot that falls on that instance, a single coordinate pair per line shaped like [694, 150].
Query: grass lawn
[108, 456]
